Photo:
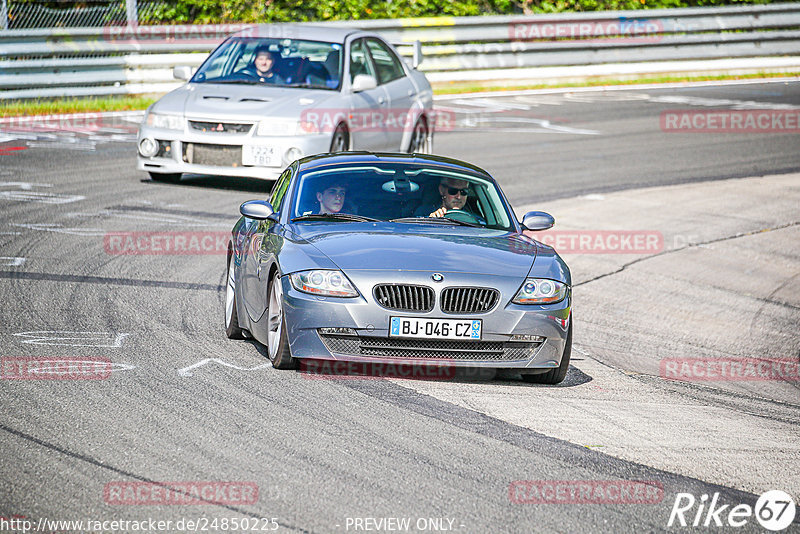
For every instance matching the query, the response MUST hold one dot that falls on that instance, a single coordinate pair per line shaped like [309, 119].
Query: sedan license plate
[465, 329]
[260, 156]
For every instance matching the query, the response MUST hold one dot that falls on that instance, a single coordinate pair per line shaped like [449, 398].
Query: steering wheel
[461, 215]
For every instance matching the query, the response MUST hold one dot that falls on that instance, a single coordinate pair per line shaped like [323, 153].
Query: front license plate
[260, 156]
[435, 328]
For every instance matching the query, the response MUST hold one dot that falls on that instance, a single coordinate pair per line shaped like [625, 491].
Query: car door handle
[410, 92]
[381, 100]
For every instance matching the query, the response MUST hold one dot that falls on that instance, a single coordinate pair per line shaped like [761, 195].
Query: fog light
[292, 154]
[148, 147]
[337, 331]
[528, 338]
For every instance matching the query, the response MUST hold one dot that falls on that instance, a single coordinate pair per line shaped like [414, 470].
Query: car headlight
[275, 126]
[162, 120]
[541, 291]
[323, 282]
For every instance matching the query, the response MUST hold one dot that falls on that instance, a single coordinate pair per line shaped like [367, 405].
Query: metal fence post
[3, 15]
[133, 12]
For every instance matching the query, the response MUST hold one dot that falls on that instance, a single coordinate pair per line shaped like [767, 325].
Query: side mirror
[364, 82]
[537, 220]
[182, 72]
[258, 210]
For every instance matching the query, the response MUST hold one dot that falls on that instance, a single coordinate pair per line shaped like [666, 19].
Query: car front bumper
[307, 314]
[221, 154]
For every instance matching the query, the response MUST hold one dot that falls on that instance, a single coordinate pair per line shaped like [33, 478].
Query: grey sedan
[275, 93]
[363, 257]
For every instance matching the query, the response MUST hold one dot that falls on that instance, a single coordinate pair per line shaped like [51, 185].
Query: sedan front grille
[404, 297]
[221, 127]
[216, 155]
[468, 299]
[386, 347]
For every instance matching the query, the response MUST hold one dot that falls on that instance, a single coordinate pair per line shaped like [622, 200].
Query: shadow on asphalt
[341, 370]
[333, 370]
[228, 183]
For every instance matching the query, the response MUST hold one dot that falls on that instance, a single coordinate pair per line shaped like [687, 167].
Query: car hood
[354, 246]
[240, 101]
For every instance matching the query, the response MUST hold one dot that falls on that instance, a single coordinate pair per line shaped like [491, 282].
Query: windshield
[282, 62]
[403, 193]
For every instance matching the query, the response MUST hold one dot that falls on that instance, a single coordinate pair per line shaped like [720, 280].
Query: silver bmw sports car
[383, 258]
[272, 94]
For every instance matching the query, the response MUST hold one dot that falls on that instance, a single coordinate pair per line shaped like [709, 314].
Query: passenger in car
[331, 198]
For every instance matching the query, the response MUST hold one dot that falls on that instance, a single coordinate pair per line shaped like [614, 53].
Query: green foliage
[214, 11]
[251, 11]
[304, 10]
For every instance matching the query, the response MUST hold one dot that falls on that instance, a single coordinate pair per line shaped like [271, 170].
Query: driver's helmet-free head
[455, 192]
[263, 49]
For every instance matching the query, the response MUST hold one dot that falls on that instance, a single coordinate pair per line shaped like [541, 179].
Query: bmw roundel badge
[437, 277]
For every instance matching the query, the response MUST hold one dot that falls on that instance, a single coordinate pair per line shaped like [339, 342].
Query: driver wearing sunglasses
[454, 196]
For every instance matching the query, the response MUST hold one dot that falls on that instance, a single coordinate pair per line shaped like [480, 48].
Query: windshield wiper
[243, 81]
[306, 85]
[335, 217]
[434, 220]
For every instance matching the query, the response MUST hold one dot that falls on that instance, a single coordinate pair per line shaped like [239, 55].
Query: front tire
[232, 329]
[171, 178]
[277, 337]
[554, 376]
[340, 140]
[419, 143]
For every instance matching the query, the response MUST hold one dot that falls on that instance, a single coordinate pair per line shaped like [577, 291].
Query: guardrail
[138, 59]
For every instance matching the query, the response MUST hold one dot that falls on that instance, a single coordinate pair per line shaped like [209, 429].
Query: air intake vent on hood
[254, 100]
[212, 97]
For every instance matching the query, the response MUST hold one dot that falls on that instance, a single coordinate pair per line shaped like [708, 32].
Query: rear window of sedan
[399, 191]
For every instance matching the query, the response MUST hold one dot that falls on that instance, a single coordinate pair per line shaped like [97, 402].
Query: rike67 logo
[774, 510]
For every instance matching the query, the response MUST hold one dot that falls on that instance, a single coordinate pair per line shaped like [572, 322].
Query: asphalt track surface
[183, 403]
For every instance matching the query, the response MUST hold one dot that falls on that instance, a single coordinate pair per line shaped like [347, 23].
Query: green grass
[43, 106]
[125, 103]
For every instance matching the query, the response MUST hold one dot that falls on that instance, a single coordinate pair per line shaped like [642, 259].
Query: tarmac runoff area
[722, 287]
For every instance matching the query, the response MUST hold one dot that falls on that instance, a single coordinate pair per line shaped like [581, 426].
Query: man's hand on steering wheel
[457, 214]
